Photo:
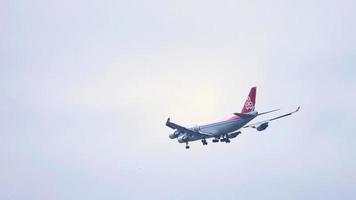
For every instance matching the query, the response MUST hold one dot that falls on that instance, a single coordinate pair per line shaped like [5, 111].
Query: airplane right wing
[262, 125]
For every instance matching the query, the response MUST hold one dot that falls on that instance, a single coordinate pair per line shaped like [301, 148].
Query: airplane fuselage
[218, 129]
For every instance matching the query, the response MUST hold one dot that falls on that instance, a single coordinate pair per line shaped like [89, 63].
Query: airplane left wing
[260, 126]
[185, 130]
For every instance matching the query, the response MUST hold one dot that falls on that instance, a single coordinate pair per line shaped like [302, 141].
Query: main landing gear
[204, 142]
[215, 140]
[225, 139]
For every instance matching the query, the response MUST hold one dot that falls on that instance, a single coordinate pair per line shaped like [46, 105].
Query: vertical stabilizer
[249, 105]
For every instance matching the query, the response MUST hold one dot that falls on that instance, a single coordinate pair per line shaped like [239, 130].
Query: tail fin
[249, 105]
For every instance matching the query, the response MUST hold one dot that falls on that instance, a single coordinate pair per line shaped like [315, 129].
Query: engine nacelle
[175, 134]
[183, 138]
[262, 126]
[234, 134]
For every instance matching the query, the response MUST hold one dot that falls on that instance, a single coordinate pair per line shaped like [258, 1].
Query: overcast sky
[86, 87]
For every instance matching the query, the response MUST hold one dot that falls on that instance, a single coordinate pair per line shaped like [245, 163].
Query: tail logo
[249, 104]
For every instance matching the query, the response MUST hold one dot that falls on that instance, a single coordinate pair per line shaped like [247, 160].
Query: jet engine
[262, 126]
[175, 134]
[183, 138]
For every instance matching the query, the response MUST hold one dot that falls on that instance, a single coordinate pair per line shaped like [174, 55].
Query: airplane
[226, 129]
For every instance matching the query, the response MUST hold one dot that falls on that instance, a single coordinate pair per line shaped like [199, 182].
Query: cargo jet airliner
[225, 130]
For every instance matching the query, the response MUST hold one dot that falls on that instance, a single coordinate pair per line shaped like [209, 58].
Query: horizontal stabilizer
[242, 115]
[268, 112]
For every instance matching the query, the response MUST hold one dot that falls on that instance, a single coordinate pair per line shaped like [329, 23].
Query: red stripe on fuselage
[230, 119]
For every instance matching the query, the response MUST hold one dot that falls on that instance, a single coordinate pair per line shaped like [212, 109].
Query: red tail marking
[249, 105]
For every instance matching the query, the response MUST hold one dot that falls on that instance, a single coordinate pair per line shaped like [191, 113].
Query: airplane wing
[185, 130]
[254, 125]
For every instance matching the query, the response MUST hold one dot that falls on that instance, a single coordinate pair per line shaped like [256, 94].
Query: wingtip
[298, 109]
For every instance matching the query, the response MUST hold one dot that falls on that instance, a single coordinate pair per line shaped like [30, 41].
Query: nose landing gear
[204, 142]
[187, 146]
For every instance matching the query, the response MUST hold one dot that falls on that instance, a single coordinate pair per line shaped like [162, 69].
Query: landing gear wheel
[215, 140]
[204, 142]
[227, 141]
